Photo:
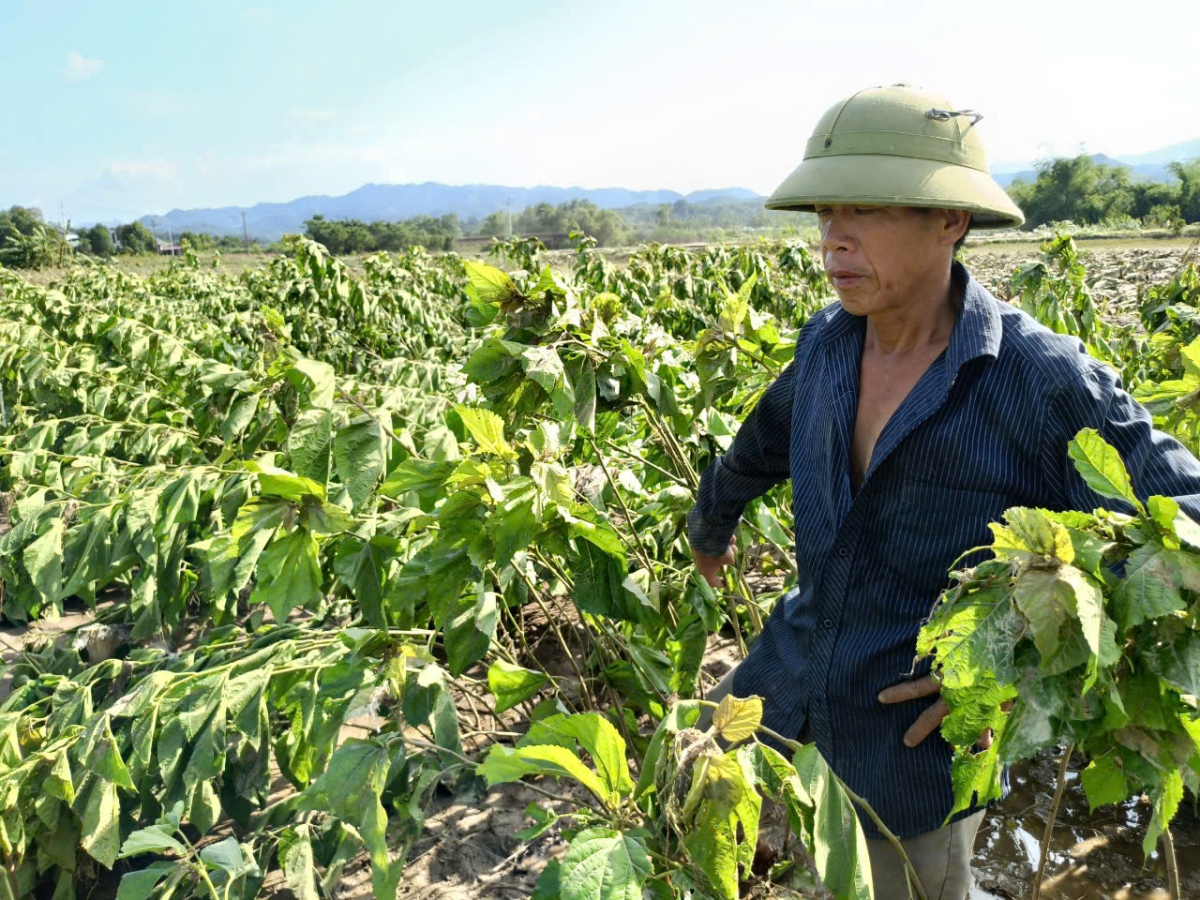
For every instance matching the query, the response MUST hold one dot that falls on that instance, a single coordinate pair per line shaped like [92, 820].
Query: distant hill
[393, 202]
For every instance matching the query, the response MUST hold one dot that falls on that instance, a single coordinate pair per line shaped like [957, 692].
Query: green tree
[99, 240]
[199, 240]
[495, 225]
[1188, 200]
[135, 237]
[1077, 189]
[22, 219]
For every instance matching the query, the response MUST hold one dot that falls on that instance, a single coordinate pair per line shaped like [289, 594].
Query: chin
[855, 303]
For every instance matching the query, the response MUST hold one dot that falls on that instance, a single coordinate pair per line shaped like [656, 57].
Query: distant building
[166, 248]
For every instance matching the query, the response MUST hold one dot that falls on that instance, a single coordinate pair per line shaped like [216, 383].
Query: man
[915, 412]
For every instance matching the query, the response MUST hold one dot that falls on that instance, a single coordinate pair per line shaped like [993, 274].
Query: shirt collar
[977, 330]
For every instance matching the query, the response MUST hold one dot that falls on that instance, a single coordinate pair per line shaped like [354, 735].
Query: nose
[835, 233]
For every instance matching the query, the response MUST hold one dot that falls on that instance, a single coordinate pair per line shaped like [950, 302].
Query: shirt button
[842, 551]
[828, 623]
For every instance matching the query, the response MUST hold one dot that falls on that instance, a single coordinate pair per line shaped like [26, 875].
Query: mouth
[845, 278]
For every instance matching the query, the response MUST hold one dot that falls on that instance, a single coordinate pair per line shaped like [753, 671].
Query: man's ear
[955, 224]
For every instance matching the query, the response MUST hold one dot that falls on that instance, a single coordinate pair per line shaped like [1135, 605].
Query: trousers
[941, 858]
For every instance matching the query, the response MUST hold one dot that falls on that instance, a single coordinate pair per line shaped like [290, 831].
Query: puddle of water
[1091, 855]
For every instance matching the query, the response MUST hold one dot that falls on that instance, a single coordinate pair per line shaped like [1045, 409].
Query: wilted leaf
[737, 720]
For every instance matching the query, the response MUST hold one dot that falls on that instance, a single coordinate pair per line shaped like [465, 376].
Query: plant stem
[1059, 788]
[629, 517]
[553, 623]
[645, 462]
[1168, 847]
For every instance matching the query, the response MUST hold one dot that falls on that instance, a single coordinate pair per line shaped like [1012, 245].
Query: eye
[866, 209]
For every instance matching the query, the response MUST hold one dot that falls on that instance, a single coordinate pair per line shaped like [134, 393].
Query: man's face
[883, 258]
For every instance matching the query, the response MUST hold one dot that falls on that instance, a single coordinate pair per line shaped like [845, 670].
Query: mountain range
[393, 202]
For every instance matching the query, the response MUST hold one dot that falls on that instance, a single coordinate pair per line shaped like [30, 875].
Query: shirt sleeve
[757, 460]
[1157, 463]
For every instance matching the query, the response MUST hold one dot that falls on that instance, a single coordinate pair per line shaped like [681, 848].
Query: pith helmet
[898, 146]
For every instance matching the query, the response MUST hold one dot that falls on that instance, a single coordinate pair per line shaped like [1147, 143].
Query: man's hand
[710, 566]
[932, 717]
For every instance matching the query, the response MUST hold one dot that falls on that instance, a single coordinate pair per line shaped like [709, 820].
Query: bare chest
[883, 385]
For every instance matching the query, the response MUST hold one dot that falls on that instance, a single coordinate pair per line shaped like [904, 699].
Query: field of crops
[341, 550]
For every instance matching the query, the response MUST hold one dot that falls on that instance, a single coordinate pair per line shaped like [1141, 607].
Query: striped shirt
[985, 428]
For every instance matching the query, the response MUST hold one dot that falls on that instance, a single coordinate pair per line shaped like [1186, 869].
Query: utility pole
[245, 233]
[508, 208]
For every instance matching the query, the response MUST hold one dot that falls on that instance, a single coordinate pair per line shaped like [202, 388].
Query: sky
[117, 109]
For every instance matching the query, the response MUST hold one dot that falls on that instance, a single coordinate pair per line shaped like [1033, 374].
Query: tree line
[678, 221]
[1088, 192]
[352, 236]
[1079, 189]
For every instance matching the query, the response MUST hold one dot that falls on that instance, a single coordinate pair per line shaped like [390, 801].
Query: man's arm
[1157, 463]
[757, 460]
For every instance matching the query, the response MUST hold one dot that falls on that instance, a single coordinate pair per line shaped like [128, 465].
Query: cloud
[80, 69]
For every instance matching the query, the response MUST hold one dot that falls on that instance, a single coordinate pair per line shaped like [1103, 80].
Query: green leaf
[362, 566]
[1046, 601]
[227, 856]
[549, 883]
[596, 735]
[1165, 799]
[975, 778]
[314, 379]
[1104, 782]
[1151, 586]
[599, 582]
[101, 831]
[308, 444]
[1177, 663]
[470, 629]
[350, 789]
[490, 284]
[487, 429]
[140, 885]
[1101, 467]
[508, 764]
[602, 864]
[58, 783]
[360, 455]
[153, 839]
[105, 760]
[42, 559]
[289, 574]
[276, 482]
[511, 684]
[839, 845]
